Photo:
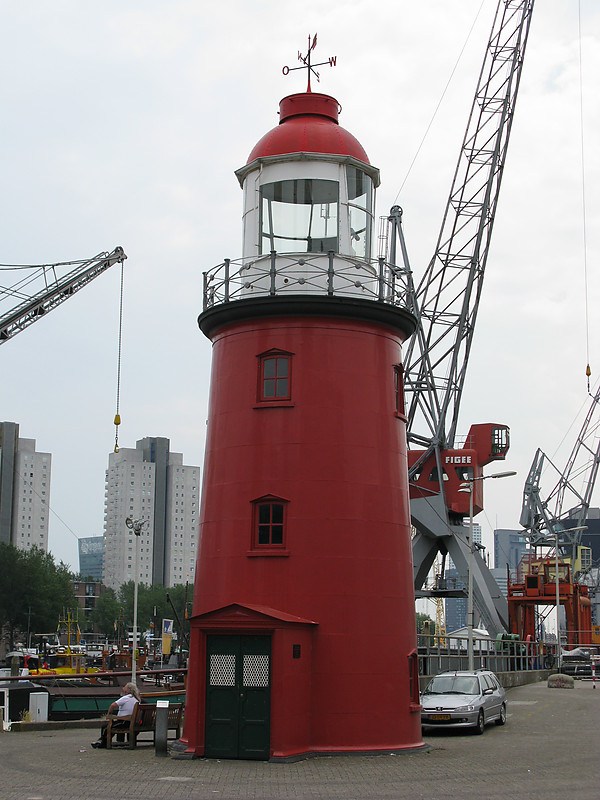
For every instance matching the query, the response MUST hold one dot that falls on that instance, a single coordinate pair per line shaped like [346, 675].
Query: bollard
[161, 727]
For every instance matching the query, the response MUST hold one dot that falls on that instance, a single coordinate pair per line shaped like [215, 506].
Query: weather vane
[306, 62]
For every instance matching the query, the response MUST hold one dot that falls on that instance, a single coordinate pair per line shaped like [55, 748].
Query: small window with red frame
[413, 678]
[274, 380]
[399, 389]
[269, 522]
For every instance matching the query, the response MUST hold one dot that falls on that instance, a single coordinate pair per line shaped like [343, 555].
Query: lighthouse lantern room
[303, 634]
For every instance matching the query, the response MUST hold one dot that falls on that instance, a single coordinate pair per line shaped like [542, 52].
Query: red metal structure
[303, 629]
[486, 442]
[538, 587]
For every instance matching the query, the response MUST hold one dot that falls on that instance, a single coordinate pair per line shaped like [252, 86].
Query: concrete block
[560, 681]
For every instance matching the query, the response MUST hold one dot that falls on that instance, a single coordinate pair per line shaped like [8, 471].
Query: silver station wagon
[463, 700]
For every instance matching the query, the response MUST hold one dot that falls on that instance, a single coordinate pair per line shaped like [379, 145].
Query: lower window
[269, 523]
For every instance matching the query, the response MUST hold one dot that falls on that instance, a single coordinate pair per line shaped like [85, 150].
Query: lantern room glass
[360, 211]
[300, 216]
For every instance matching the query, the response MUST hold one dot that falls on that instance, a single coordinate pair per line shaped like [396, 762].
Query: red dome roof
[308, 124]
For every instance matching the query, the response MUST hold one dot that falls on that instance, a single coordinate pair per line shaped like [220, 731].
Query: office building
[24, 490]
[477, 540]
[150, 485]
[501, 578]
[455, 608]
[591, 536]
[509, 548]
[91, 557]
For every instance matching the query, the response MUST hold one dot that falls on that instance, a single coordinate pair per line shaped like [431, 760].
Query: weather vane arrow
[307, 64]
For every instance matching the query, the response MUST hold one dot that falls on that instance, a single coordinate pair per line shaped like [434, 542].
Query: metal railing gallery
[327, 274]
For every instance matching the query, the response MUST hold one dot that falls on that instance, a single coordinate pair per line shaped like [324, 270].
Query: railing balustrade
[328, 274]
[439, 654]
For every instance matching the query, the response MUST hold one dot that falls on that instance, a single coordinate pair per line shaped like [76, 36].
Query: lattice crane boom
[447, 297]
[446, 303]
[566, 505]
[56, 288]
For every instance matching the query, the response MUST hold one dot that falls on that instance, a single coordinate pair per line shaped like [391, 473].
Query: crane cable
[439, 103]
[117, 414]
[588, 370]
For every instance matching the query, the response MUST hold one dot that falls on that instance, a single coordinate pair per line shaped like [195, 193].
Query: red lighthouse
[303, 630]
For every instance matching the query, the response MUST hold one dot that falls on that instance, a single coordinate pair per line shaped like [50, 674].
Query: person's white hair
[131, 688]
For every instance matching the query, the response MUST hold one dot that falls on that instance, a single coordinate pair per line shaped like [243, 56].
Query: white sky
[123, 123]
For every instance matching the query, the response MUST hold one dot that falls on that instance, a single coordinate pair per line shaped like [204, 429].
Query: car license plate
[440, 717]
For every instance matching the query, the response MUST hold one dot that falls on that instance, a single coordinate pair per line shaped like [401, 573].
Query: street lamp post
[136, 526]
[470, 602]
[558, 645]
[467, 486]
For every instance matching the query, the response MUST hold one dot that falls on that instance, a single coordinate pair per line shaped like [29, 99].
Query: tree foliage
[106, 613]
[34, 591]
[113, 614]
[425, 624]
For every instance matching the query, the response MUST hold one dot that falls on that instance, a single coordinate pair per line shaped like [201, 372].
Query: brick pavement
[549, 749]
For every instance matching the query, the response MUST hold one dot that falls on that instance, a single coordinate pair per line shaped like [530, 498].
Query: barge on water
[79, 697]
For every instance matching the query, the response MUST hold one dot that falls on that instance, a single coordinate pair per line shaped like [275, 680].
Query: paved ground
[550, 749]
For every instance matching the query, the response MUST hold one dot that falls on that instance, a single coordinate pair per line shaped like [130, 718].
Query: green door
[238, 696]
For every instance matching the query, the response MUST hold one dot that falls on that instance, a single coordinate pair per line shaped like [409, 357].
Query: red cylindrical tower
[303, 632]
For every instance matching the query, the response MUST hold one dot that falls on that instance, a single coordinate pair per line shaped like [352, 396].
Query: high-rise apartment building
[151, 485]
[24, 490]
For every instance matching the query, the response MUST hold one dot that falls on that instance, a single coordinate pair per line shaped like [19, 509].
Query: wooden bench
[143, 720]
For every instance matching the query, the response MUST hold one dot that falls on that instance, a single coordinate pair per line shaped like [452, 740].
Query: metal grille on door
[256, 670]
[222, 670]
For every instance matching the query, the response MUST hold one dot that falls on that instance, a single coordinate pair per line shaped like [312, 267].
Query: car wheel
[480, 724]
[502, 718]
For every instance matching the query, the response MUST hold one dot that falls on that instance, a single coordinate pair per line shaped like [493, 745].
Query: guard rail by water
[439, 654]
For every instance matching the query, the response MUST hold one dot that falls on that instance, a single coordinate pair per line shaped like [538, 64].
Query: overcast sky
[123, 123]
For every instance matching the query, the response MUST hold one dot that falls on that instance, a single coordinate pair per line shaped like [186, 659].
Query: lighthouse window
[399, 389]
[269, 523]
[274, 380]
[360, 211]
[299, 216]
[413, 678]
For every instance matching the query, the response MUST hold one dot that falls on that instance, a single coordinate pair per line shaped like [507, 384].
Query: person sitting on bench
[123, 707]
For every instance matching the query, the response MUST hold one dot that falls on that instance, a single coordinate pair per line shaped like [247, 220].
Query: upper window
[274, 376]
[500, 441]
[299, 216]
[399, 389]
